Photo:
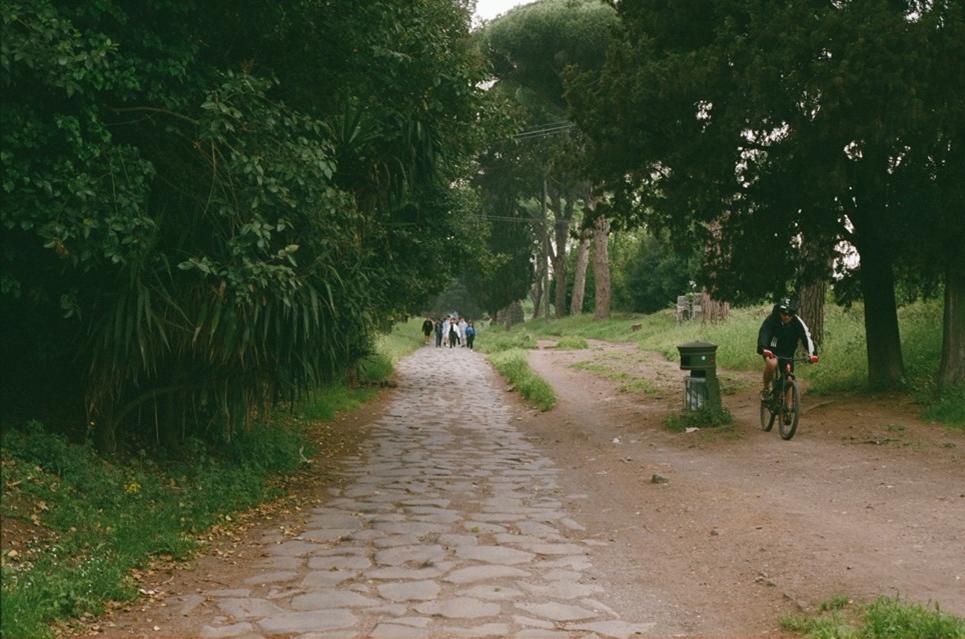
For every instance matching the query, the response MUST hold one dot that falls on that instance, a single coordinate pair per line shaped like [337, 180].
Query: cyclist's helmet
[786, 305]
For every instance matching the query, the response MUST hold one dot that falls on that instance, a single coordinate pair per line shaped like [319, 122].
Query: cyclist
[778, 338]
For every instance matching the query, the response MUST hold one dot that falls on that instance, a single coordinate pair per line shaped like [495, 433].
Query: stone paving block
[476, 527]
[417, 554]
[390, 541]
[541, 633]
[409, 591]
[558, 549]
[402, 572]
[561, 589]
[572, 524]
[459, 608]
[398, 631]
[189, 603]
[271, 577]
[229, 592]
[485, 630]
[455, 540]
[234, 630]
[519, 620]
[323, 578]
[292, 548]
[339, 562]
[557, 611]
[248, 608]
[325, 599]
[613, 628]
[280, 563]
[495, 554]
[483, 573]
[491, 593]
[295, 622]
[593, 604]
[327, 534]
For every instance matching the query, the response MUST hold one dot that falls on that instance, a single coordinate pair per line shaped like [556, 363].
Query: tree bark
[885, 366]
[579, 277]
[548, 252]
[601, 267]
[811, 309]
[561, 230]
[951, 371]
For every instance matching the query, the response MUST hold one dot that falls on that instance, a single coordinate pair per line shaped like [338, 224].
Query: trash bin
[701, 388]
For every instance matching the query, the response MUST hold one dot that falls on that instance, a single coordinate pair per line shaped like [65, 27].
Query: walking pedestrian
[427, 328]
[470, 335]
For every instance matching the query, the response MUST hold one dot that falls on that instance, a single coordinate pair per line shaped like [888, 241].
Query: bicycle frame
[784, 404]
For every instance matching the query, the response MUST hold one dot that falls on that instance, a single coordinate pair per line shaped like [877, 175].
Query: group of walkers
[452, 331]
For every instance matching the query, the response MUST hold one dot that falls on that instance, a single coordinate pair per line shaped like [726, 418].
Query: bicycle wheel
[790, 411]
[767, 417]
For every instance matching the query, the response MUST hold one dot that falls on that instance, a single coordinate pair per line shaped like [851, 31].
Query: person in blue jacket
[778, 338]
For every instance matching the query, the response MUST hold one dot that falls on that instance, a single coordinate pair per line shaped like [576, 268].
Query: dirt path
[465, 513]
[865, 500]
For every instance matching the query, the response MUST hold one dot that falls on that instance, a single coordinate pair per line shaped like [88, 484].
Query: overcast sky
[489, 9]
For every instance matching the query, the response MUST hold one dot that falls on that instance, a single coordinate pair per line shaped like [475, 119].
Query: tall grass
[100, 519]
[512, 365]
[885, 618]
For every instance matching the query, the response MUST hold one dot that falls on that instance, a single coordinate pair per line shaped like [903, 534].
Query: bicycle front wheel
[767, 417]
[790, 411]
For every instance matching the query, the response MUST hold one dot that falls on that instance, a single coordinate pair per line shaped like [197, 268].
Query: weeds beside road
[78, 526]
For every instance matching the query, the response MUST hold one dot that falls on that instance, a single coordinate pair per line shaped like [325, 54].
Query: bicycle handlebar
[811, 359]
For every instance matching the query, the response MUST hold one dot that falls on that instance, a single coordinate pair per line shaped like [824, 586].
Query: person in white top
[462, 331]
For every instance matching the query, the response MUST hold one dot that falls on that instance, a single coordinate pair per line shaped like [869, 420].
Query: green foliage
[703, 417]
[107, 518]
[569, 342]
[498, 339]
[100, 518]
[206, 210]
[512, 365]
[647, 274]
[885, 618]
[769, 152]
[841, 369]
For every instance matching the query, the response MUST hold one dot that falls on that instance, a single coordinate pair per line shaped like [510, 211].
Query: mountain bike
[785, 400]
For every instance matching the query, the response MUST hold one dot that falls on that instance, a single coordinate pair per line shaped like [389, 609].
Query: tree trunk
[601, 267]
[562, 232]
[547, 253]
[579, 277]
[536, 293]
[885, 367]
[811, 309]
[951, 371]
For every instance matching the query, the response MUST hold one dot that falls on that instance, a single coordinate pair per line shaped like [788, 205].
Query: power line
[539, 133]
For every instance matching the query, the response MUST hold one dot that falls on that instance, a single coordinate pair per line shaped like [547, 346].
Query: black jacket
[782, 339]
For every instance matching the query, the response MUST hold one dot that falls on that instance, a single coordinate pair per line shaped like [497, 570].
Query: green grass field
[843, 365]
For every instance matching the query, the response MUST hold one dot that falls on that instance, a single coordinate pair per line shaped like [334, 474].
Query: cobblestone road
[450, 524]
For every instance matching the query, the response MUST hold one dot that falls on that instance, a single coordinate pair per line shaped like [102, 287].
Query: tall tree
[530, 49]
[210, 207]
[712, 126]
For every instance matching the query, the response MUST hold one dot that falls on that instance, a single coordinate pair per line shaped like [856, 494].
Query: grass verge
[512, 365]
[77, 526]
[885, 618]
[843, 366]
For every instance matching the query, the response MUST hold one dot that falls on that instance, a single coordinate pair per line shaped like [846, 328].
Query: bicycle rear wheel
[790, 411]
[767, 417]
